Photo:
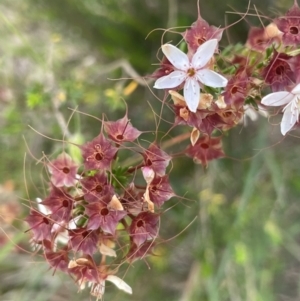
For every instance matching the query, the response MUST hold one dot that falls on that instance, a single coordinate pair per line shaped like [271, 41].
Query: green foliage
[119, 177]
[35, 96]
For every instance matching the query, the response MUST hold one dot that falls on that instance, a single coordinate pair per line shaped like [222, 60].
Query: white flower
[290, 111]
[192, 72]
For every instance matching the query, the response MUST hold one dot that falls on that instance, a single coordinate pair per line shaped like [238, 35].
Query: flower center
[153, 189]
[104, 211]
[294, 30]
[66, 170]
[65, 203]
[191, 72]
[234, 90]
[140, 223]
[98, 188]
[204, 145]
[279, 70]
[85, 234]
[227, 114]
[45, 221]
[98, 155]
[201, 40]
[260, 42]
[120, 137]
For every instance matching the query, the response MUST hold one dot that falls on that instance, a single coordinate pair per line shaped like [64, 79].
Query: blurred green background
[244, 244]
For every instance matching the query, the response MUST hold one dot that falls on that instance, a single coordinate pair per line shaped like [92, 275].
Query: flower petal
[177, 58]
[290, 117]
[43, 209]
[73, 222]
[191, 93]
[172, 80]
[296, 90]
[277, 98]
[204, 53]
[105, 250]
[177, 98]
[211, 78]
[119, 283]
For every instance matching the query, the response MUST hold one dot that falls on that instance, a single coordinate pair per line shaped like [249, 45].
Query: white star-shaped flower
[193, 72]
[290, 111]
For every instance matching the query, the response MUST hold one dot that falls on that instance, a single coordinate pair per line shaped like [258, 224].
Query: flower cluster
[98, 207]
[280, 41]
[212, 103]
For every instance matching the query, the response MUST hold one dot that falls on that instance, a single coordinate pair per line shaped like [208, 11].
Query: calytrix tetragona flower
[83, 240]
[104, 214]
[160, 190]
[121, 130]
[259, 39]
[200, 32]
[85, 270]
[63, 171]
[60, 204]
[98, 153]
[290, 111]
[156, 158]
[192, 72]
[40, 225]
[278, 73]
[206, 149]
[144, 227]
[289, 25]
